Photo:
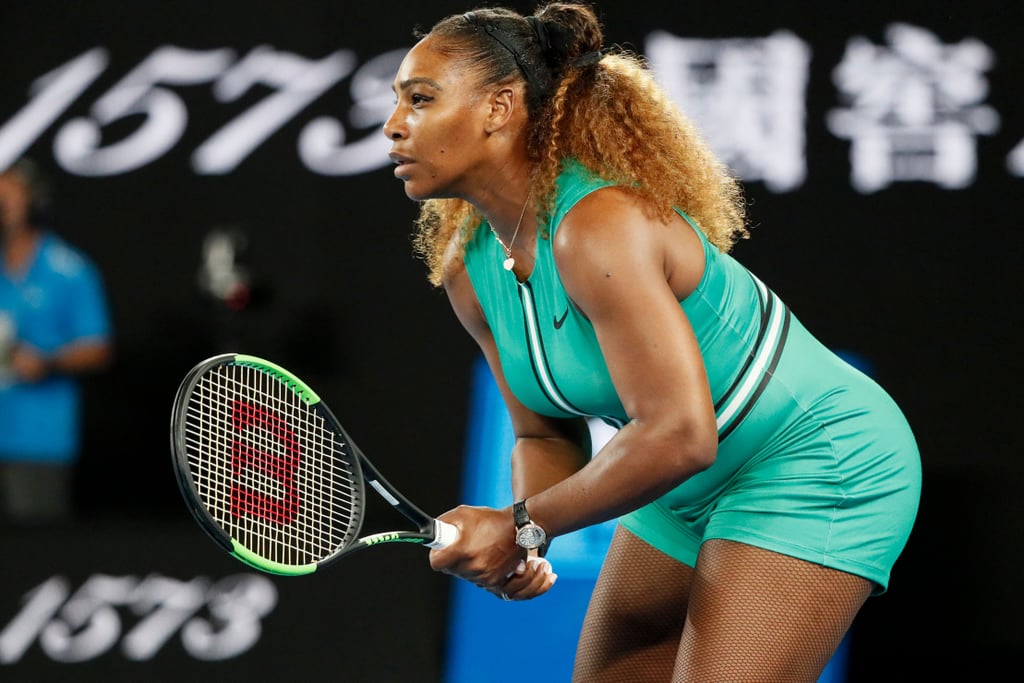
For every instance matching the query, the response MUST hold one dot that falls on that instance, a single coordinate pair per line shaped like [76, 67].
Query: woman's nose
[392, 129]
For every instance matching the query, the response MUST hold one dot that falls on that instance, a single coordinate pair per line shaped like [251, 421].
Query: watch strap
[519, 514]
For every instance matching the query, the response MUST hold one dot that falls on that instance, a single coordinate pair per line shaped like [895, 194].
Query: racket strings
[269, 469]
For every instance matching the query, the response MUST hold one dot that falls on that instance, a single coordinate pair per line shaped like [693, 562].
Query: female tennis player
[582, 230]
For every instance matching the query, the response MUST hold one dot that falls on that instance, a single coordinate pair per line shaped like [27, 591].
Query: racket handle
[444, 535]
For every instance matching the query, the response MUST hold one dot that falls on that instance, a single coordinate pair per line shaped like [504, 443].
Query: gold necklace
[510, 262]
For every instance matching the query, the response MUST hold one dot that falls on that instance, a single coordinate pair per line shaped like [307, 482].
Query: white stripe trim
[756, 371]
[533, 336]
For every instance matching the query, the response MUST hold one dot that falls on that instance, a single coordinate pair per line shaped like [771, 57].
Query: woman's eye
[414, 99]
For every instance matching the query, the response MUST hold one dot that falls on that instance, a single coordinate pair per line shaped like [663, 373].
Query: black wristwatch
[528, 534]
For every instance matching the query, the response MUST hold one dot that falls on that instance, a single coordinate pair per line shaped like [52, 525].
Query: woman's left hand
[532, 577]
[486, 555]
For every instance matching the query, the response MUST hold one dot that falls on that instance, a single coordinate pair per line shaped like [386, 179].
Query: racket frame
[430, 532]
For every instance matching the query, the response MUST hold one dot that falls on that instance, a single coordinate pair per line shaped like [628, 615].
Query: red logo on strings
[277, 501]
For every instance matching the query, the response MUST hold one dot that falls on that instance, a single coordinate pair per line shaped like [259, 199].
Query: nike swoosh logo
[560, 321]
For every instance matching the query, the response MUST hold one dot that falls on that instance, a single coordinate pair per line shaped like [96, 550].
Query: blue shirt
[58, 300]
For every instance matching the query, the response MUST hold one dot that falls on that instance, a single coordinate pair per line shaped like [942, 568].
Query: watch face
[530, 536]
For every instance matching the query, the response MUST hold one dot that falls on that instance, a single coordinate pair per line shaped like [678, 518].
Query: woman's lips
[402, 164]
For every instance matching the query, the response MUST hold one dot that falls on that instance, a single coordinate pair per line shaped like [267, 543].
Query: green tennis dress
[814, 460]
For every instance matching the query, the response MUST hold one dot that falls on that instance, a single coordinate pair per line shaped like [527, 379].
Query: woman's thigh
[755, 614]
[636, 614]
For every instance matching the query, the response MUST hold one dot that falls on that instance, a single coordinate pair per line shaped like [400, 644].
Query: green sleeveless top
[814, 459]
[549, 351]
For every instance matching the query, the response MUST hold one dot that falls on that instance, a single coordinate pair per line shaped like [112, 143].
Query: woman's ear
[503, 104]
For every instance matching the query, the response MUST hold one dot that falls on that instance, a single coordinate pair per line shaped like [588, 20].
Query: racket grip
[444, 535]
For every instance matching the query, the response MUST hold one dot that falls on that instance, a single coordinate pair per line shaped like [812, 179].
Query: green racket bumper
[296, 384]
[257, 562]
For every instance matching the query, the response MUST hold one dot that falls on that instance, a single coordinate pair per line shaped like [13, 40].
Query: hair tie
[588, 59]
[541, 32]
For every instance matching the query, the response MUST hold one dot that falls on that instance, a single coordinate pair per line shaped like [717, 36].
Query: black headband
[496, 33]
[540, 31]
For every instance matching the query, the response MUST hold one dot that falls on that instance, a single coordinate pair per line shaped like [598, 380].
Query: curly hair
[576, 92]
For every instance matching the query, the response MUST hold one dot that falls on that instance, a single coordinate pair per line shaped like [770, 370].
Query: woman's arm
[546, 451]
[627, 273]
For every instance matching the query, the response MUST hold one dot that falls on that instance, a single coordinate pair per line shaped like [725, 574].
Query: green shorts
[837, 484]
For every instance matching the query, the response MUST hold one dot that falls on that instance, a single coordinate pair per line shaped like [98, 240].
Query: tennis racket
[270, 474]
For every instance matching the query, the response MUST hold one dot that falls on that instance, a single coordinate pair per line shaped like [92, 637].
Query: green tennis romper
[814, 459]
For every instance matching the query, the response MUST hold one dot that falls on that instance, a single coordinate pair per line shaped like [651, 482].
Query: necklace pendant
[509, 263]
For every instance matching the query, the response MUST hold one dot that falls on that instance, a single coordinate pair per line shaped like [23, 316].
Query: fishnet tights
[753, 617]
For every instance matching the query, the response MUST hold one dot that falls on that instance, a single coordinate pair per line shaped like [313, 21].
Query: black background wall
[919, 279]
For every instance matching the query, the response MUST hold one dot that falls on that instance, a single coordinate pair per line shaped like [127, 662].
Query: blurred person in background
[54, 328]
